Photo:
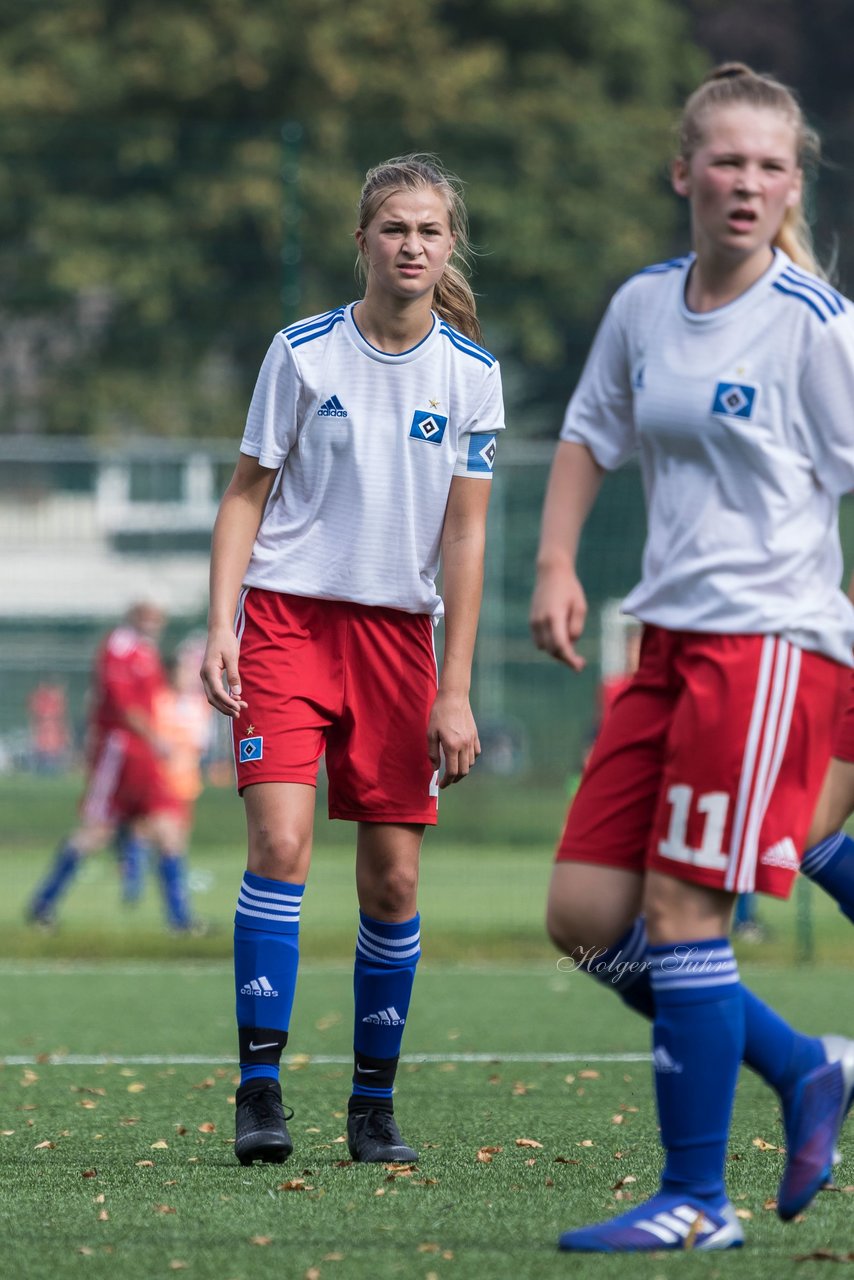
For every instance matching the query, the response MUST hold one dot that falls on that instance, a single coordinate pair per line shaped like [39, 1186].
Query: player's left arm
[452, 731]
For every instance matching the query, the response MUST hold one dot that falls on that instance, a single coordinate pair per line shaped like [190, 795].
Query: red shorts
[125, 780]
[843, 743]
[356, 681]
[710, 762]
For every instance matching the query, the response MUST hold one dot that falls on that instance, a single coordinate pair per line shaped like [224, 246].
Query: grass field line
[300, 1060]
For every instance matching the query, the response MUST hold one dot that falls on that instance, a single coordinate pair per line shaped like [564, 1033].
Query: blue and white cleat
[667, 1221]
[813, 1116]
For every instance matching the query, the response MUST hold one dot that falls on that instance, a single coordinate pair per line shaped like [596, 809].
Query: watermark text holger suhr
[688, 958]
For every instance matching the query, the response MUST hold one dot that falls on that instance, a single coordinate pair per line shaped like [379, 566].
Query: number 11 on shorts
[714, 806]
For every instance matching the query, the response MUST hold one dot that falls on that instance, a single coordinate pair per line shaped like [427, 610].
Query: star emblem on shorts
[434, 404]
[249, 730]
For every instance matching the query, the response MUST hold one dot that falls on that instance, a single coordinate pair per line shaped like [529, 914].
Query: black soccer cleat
[261, 1132]
[373, 1137]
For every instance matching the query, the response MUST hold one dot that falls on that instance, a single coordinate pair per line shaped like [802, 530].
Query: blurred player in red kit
[126, 782]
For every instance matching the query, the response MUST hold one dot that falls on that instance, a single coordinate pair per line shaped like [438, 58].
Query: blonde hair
[453, 299]
[734, 83]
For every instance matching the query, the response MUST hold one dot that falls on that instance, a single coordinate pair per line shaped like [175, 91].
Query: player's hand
[452, 736]
[558, 614]
[219, 672]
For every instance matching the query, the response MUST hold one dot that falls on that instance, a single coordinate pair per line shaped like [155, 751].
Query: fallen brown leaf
[333, 1257]
[144, 1164]
[164, 1208]
[618, 1119]
[89, 1173]
[177, 1265]
[744, 1213]
[429, 1248]
[767, 1146]
[45, 1146]
[103, 1216]
[160, 1145]
[313, 1273]
[136, 1087]
[588, 1075]
[207, 1127]
[586, 1142]
[261, 1240]
[86, 1251]
[528, 1142]
[624, 1182]
[565, 1160]
[292, 1184]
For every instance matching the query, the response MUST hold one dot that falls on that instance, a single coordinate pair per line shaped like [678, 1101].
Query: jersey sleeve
[479, 435]
[271, 423]
[600, 413]
[827, 397]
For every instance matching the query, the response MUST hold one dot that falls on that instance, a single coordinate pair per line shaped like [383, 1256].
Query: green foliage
[151, 246]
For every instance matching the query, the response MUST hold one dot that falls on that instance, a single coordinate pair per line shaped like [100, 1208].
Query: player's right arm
[234, 533]
[559, 606]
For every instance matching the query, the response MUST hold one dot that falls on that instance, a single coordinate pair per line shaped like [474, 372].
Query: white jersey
[368, 444]
[743, 418]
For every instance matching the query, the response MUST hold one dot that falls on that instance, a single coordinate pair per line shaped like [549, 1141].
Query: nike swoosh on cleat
[253, 1046]
[367, 1071]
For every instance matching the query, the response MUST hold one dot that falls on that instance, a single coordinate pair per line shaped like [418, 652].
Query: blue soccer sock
[774, 1050]
[172, 870]
[65, 866]
[830, 863]
[266, 959]
[698, 1042]
[386, 957]
[624, 968]
[133, 856]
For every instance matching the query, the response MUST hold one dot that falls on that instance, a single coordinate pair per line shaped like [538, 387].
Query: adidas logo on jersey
[332, 408]
[386, 1018]
[258, 987]
[662, 1061]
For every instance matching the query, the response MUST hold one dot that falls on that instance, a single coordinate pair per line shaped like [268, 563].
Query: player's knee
[563, 926]
[391, 894]
[279, 854]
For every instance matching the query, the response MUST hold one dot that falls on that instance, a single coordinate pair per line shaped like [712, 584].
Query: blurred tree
[148, 238]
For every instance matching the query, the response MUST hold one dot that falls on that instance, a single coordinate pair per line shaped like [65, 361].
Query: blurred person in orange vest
[181, 717]
[50, 732]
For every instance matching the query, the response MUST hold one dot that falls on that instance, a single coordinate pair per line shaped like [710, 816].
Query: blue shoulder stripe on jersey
[337, 318]
[463, 343]
[299, 325]
[303, 326]
[802, 297]
[672, 264]
[824, 291]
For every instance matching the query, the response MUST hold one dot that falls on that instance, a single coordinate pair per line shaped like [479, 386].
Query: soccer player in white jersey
[366, 458]
[731, 373]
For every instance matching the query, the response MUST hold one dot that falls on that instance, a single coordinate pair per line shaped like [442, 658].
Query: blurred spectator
[50, 730]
